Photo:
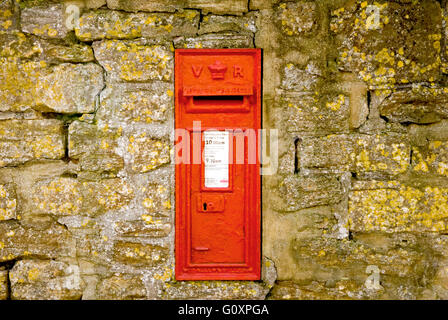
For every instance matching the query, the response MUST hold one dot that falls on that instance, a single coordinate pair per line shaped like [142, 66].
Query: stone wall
[357, 89]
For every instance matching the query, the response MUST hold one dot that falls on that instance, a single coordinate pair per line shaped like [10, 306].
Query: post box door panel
[218, 199]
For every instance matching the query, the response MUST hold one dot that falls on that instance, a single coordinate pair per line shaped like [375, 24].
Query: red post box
[218, 117]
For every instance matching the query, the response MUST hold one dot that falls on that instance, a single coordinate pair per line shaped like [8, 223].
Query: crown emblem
[217, 70]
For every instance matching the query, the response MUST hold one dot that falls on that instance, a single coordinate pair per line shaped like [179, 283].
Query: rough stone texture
[419, 105]
[66, 88]
[17, 241]
[310, 114]
[52, 280]
[402, 45]
[219, 41]
[122, 287]
[22, 141]
[68, 196]
[214, 23]
[45, 21]
[8, 16]
[8, 202]
[4, 292]
[431, 158]
[138, 60]
[105, 24]
[360, 185]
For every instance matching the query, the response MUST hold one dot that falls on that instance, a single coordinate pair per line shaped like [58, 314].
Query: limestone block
[95, 148]
[4, 294]
[137, 103]
[137, 254]
[8, 201]
[106, 24]
[22, 45]
[431, 158]
[214, 23]
[297, 192]
[68, 196]
[147, 153]
[47, 21]
[71, 88]
[156, 199]
[300, 79]
[390, 43]
[122, 287]
[45, 279]
[50, 242]
[134, 60]
[332, 152]
[395, 207]
[221, 7]
[66, 88]
[9, 17]
[218, 41]
[297, 18]
[148, 228]
[85, 139]
[144, 5]
[25, 140]
[386, 154]
[418, 105]
[311, 114]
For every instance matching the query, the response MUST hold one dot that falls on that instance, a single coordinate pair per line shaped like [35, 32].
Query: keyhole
[205, 206]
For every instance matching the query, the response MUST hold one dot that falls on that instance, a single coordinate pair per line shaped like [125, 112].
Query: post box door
[218, 116]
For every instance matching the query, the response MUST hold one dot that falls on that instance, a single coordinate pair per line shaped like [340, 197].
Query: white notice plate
[216, 157]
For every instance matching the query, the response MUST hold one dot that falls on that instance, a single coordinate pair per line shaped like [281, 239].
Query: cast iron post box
[218, 117]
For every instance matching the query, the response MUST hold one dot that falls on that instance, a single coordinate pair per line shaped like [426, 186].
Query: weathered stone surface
[144, 5]
[72, 53]
[48, 242]
[137, 103]
[95, 148]
[402, 261]
[231, 290]
[214, 23]
[47, 21]
[134, 60]
[305, 113]
[419, 105]
[46, 279]
[122, 287]
[394, 207]
[68, 196]
[298, 192]
[390, 43]
[105, 24]
[332, 152]
[298, 79]
[8, 16]
[138, 254]
[219, 41]
[25, 140]
[86, 139]
[22, 45]
[431, 158]
[8, 201]
[297, 18]
[148, 228]
[221, 7]
[66, 88]
[147, 153]
[381, 154]
[71, 88]
[156, 199]
[4, 291]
